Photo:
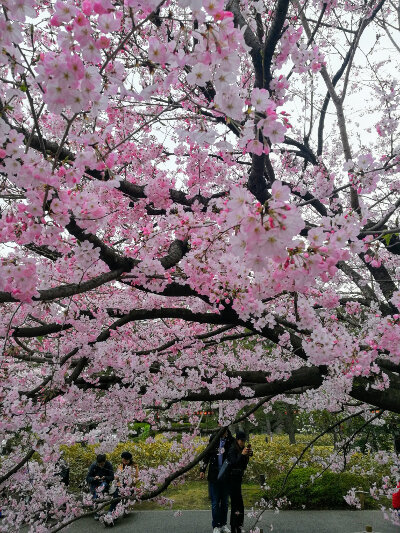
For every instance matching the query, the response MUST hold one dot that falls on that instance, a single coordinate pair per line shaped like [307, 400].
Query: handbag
[223, 470]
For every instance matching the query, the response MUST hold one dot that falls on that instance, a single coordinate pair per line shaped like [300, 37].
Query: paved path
[283, 522]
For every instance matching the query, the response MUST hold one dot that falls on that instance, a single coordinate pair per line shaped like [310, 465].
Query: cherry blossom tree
[179, 178]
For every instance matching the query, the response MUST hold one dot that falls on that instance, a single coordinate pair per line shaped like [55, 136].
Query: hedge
[270, 459]
[306, 489]
[149, 453]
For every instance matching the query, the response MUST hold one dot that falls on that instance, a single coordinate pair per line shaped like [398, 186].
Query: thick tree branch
[273, 37]
[251, 40]
[19, 465]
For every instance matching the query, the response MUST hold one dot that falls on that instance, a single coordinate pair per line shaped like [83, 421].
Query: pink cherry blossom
[199, 75]
[260, 99]
[172, 183]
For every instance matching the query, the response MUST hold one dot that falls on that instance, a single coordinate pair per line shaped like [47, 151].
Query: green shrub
[273, 458]
[145, 454]
[305, 488]
[139, 430]
[367, 465]
[150, 453]
[270, 459]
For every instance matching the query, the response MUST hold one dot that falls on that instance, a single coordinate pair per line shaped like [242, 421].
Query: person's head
[101, 459]
[226, 434]
[126, 458]
[241, 439]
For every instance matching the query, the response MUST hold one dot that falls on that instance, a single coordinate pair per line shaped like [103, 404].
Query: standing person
[238, 457]
[99, 476]
[62, 471]
[218, 489]
[126, 473]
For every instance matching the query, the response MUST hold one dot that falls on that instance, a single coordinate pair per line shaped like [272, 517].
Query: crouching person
[99, 477]
[126, 476]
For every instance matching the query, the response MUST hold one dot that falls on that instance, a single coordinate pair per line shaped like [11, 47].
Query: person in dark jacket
[100, 475]
[219, 491]
[238, 457]
[62, 471]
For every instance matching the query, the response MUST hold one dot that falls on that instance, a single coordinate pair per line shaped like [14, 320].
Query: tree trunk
[289, 423]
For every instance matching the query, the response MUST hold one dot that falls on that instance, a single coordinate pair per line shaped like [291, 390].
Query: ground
[284, 522]
[194, 495]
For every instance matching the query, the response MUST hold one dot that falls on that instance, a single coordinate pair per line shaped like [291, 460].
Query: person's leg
[218, 497]
[235, 506]
[213, 488]
[96, 490]
[224, 497]
[104, 487]
[114, 504]
[240, 507]
[92, 488]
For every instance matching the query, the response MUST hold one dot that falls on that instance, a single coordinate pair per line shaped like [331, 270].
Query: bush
[151, 453]
[304, 488]
[139, 431]
[270, 459]
[369, 465]
[273, 458]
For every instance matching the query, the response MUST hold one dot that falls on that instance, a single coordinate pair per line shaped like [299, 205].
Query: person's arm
[237, 459]
[228, 445]
[110, 473]
[90, 475]
[232, 455]
[205, 461]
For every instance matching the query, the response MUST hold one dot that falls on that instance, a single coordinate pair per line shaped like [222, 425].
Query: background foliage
[271, 459]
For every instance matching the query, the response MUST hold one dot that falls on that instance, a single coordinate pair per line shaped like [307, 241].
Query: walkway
[283, 522]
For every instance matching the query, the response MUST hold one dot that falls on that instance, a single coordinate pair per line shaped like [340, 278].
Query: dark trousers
[219, 493]
[94, 487]
[237, 507]
[113, 506]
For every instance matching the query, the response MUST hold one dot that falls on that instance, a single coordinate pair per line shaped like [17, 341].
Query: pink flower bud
[221, 15]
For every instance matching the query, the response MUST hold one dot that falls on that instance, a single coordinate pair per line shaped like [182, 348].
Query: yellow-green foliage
[269, 459]
[273, 458]
[302, 438]
[366, 464]
[145, 454]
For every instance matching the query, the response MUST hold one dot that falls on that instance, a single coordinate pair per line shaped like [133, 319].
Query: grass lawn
[194, 495]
